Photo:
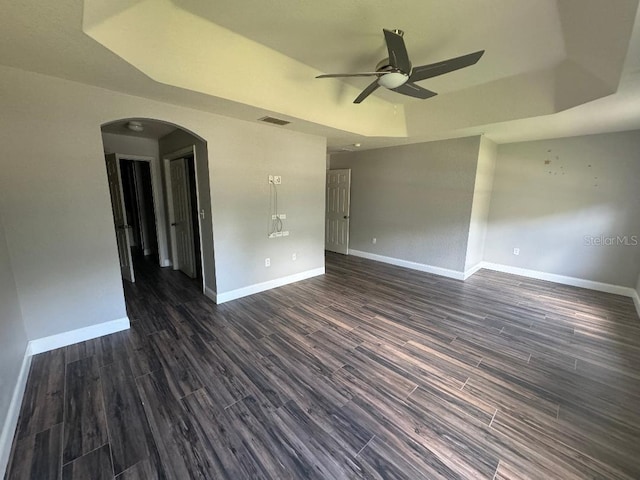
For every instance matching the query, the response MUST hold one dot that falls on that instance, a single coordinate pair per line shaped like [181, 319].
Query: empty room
[328, 240]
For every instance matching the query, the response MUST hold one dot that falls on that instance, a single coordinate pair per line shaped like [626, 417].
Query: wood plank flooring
[371, 372]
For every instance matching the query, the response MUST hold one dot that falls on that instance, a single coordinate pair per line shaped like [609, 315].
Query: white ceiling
[551, 68]
[335, 36]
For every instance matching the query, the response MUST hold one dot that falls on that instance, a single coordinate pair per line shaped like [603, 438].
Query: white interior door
[182, 224]
[337, 216]
[120, 217]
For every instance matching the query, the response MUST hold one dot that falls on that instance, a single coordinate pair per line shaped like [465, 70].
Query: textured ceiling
[551, 68]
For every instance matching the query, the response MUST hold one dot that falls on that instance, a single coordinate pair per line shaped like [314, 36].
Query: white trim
[552, 277]
[473, 270]
[165, 262]
[210, 294]
[59, 340]
[261, 287]
[445, 272]
[11, 420]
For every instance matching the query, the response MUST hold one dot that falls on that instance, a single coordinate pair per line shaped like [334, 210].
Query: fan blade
[398, 56]
[433, 70]
[414, 90]
[340, 75]
[366, 92]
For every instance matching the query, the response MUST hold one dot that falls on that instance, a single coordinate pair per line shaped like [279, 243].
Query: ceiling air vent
[275, 121]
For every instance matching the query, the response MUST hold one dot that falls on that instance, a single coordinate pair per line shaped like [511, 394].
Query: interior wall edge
[11, 420]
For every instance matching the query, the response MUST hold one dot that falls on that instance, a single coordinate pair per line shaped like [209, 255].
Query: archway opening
[159, 183]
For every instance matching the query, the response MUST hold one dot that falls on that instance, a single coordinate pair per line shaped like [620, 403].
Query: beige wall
[551, 197]
[415, 200]
[13, 344]
[242, 156]
[55, 201]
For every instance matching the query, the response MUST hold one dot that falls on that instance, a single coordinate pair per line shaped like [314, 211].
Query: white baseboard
[210, 294]
[74, 336]
[573, 281]
[261, 287]
[165, 262]
[445, 272]
[11, 421]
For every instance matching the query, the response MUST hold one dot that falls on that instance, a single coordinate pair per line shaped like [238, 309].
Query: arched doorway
[159, 183]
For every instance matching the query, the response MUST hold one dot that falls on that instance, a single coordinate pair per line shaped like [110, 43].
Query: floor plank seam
[106, 423]
[493, 417]
[496, 472]
[365, 446]
[64, 412]
[412, 390]
[85, 454]
[465, 383]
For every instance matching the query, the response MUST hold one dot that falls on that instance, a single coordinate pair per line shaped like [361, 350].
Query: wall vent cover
[275, 121]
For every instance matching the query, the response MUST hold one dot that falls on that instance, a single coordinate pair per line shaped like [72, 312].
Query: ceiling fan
[397, 74]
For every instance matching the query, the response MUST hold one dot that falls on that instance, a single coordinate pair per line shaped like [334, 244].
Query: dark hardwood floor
[370, 371]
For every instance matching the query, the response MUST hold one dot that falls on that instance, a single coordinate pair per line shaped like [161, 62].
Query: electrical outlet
[270, 178]
[272, 235]
[516, 251]
[283, 216]
[267, 262]
[374, 240]
[273, 217]
[294, 257]
[285, 233]
[277, 179]
[278, 234]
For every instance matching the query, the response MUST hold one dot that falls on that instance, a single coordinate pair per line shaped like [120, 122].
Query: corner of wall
[483, 187]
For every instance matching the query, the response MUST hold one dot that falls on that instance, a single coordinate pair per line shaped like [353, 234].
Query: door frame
[122, 233]
[156, 192]
[347, 217]
[166, 163]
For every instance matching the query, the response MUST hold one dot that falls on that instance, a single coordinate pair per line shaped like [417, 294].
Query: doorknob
[346, 216]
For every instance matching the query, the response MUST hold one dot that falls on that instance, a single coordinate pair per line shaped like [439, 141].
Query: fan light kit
[396, 72]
